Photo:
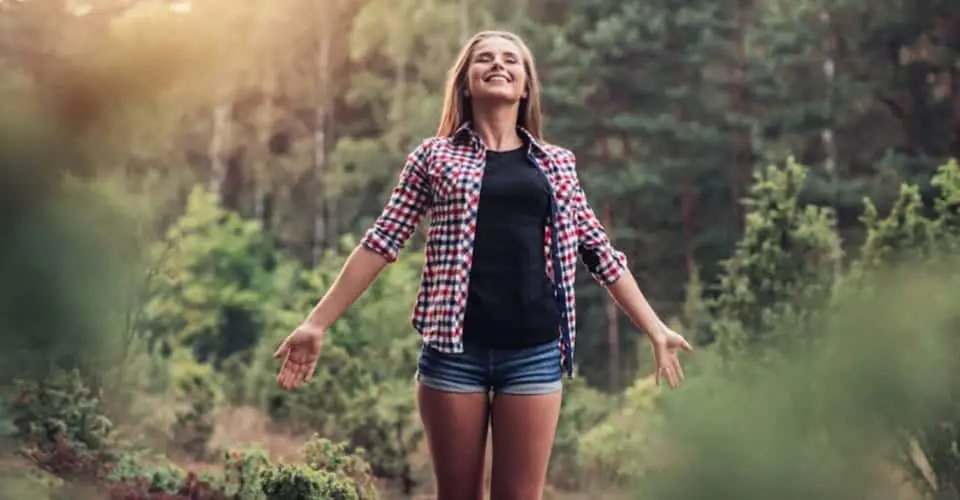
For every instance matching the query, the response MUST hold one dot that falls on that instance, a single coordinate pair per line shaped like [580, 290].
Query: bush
[299, 482]
[61, 425]
[212, 286]
[615, 451]
[363, 386]
[335, 459]
[194, 422]
[583, 407]
[912, 234]
[784, 265]
[814, 419]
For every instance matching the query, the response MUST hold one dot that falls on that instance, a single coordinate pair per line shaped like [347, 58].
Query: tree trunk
[263, 158]
[219, 142]
[613, 319]
[688, 201]
[320, 147]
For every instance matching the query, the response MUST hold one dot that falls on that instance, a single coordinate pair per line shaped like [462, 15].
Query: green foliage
[362, 389]
[618, 449]
[194, 424]
[241, 472]
[133, 468]
[816, 422]
[947, 204]
[337, 460]
[211, 295]
[785, 263]
[583, 407]
[299, 482]
[61, 407]
[910, 233]
[903, 234]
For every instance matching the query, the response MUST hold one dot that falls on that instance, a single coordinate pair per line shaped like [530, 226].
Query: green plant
[300, 482]
[61, 406]
[338, 460]
[785, 264]
[194, 424]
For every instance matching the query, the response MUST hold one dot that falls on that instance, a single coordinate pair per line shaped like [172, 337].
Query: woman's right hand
[299, 351]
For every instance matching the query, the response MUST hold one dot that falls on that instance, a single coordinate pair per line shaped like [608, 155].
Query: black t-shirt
[511, 302]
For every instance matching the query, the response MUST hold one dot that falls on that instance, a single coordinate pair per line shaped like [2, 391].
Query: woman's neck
[497, 127]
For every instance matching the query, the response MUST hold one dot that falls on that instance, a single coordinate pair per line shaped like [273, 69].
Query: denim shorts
[529, 371]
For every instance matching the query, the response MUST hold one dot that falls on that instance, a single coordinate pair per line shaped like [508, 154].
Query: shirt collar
[465, 133]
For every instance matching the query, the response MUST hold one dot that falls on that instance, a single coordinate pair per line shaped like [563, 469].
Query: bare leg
[523, 431]
[456, 425]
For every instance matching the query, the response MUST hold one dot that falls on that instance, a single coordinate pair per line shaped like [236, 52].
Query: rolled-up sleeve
[409, 201]
[605, 263]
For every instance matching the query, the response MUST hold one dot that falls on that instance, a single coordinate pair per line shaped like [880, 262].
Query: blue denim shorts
[529, 371]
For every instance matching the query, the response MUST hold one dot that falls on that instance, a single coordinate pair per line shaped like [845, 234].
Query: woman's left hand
[666, 344]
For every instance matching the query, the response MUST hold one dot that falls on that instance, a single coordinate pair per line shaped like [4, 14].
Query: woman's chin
[497, 97]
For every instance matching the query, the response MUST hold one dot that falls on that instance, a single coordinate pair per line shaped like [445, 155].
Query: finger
[292, 377]
[282, 350]
[679, 369]
[685, 345]
[311, 370]
[675, 374]
[284, 377]
[289, 364]
[659, 371]
[668, 375]
[672, 377]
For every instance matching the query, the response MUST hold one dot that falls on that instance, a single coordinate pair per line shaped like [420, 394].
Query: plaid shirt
[442, 176]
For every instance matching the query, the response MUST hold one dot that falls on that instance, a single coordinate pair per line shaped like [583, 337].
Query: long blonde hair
[456, 106]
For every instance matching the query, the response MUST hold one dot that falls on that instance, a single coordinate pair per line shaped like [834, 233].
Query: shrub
[211, 289]
[911, 233]
[299, 482]
[336, 459]
[194, 423]
[785, 264]
[583, 407]
[61, 425]
[615, 450]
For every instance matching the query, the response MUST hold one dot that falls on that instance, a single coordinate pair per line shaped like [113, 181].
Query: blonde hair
[456, 106]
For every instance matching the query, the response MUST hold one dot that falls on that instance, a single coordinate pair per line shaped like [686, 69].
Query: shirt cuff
[375, 241]
[610, 266]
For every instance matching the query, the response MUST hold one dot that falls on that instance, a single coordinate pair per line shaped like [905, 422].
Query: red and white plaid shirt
[443, 176]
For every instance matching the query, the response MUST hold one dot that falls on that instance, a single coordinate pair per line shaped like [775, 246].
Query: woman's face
[495, 71]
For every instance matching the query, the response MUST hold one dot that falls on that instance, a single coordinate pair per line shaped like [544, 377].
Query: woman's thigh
[454, 402]
[456, 426]
[523, 432]
[525, 410]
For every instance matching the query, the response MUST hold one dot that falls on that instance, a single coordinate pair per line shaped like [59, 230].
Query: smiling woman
[496, 307]
[469, 74]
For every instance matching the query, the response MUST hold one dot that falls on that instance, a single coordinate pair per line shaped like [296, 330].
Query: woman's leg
[526, 406]
[523, 432]
[456, 429]
[454, 403]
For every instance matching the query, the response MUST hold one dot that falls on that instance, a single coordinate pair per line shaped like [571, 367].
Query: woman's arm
[359, 271]
[608, 266]
[381, 244]
[626, 293]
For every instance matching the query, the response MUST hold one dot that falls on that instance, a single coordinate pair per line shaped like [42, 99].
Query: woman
[496, 306]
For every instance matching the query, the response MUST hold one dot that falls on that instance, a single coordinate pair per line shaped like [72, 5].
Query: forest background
[180, 182]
